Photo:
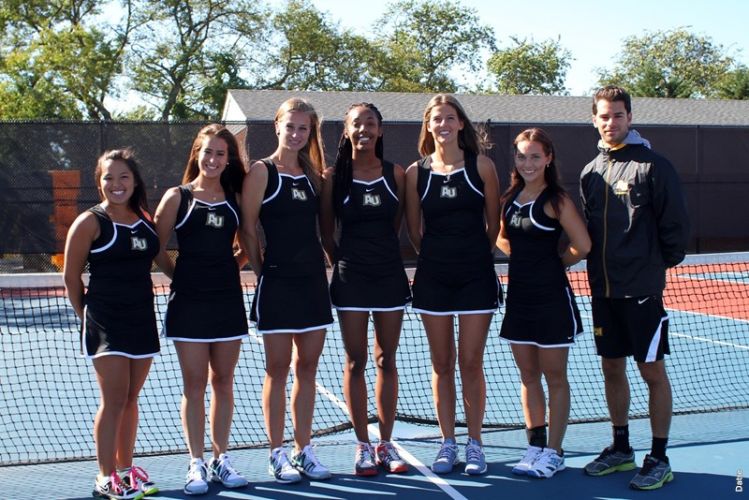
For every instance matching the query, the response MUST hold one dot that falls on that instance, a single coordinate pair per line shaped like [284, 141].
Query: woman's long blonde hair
[312, 155]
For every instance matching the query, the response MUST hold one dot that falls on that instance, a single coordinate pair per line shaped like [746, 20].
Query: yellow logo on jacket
[621, 188]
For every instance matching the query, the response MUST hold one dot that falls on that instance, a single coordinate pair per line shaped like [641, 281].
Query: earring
[547, 165]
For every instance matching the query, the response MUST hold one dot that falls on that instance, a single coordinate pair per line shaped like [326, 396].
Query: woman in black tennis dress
[118, 333]
[363, 194]
[541, 319]
[205, 316]
[454, 189]
[291, 307]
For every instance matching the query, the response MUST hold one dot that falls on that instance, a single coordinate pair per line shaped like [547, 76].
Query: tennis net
[49, 394]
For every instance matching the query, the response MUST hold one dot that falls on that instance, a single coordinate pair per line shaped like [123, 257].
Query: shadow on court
[498, 483]
[706, 452]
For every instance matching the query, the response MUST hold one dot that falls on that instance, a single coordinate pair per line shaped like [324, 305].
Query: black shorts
[369, 288]
[291, 304]
[455, 289]
[636, 326]
[551, 323]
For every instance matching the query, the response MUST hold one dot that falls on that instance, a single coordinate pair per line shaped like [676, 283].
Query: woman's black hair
[344, 169]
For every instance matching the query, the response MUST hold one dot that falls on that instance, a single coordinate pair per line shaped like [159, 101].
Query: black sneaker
[610, 461]
[654, 474]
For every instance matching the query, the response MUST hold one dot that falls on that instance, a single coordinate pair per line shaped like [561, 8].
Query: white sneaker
[388, 457]
[525, 464]
[112, 487]
[137, 478]
[548, 463]
[222, 471]
[364, 461]
[280, 467]
[195, 481]
[307, 463]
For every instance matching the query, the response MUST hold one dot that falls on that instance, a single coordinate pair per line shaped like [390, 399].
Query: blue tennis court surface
[49, 403]
[707, 451]
[48, 399]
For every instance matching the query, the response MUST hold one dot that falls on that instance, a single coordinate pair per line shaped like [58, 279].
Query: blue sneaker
[447, 457]
[475, 458]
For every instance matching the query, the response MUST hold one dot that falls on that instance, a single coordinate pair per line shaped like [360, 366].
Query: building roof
[261, 105]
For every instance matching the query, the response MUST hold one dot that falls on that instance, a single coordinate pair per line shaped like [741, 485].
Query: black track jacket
[637, 219]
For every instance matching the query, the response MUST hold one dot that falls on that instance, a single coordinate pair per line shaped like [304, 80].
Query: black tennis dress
[541, 308]
[292, 291]
[455, 269]
[119, 316]
[206, 302]
[368, 274]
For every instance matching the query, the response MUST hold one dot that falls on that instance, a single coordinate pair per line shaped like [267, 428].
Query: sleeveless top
[120, 260]
[205, 233]
[453, 209]
[536, 270]
[368, 235]
[289, 219]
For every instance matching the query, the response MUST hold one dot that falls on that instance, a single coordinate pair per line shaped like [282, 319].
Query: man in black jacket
[638, 224]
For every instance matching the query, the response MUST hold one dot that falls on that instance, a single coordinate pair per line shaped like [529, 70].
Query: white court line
[415, 462]
[427, 472]
[697, 313]
[703, 339]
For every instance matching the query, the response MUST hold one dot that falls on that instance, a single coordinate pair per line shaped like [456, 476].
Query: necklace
[213, 196]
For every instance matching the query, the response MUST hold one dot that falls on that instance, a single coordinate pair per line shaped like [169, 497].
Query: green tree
[306, 50]
[531, 68]
[426, 43]
[25, 92]
[222, 71]
[734, 84]
[60, 51]
[675, 63]
[182, 47]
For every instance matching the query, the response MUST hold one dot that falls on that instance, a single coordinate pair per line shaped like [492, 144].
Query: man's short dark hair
[612, 93]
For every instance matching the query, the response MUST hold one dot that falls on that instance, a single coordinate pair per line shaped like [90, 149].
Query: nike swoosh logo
[641, 302]
[369, 190]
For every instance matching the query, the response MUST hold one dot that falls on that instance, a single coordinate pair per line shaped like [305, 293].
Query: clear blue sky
[591, 30]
